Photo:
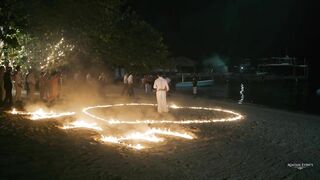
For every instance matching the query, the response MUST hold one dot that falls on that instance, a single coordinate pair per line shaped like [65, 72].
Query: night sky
[251, 28]
[234, 28]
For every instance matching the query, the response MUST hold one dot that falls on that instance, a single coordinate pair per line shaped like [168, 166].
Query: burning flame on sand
[148, 136]
[82, 124]
[41, 114]
[235, 116]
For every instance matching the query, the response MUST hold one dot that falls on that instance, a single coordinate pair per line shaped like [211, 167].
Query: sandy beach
[266, 144]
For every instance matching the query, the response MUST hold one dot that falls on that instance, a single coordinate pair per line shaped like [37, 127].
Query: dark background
[236, 29]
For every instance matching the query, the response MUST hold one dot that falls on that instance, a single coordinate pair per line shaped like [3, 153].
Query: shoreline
[230, 100]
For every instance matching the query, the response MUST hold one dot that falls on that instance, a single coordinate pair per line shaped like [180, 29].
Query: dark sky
[234, 28]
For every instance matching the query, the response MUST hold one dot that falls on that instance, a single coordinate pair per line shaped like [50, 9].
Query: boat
[282, 68]
[201, 83]
[186, 81]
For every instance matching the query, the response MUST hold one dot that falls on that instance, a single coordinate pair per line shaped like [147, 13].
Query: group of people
[147, 82]
[89, 82]
[160, 85]
[13, 80]
[49, 86]
[128, 85]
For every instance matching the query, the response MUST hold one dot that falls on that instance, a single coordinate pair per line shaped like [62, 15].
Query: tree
[106, 33]
[13, 19]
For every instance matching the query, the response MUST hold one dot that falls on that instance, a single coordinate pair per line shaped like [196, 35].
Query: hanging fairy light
[56, 54]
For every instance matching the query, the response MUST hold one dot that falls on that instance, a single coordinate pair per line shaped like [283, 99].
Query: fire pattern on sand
[149, 135]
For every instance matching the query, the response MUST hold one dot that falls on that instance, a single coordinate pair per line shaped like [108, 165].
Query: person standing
[194, 85]
[130, 85]
[125, 84]
[102, 79]
[76, 78]
[54, 87]
[161, 86]
[42, 85]
[89, 79]
[17, 84]
[146, 84]
[8, 86]
[31, 82]
[2, 90]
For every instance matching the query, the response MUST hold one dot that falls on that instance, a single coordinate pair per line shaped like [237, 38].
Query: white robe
[161, 85]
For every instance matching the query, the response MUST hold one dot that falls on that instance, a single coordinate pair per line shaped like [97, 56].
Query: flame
[14, 111]
[110, 139]
[115, 140]
[173, 106]
[149, 135]
[171, 133]
[41, 114]
[82, 124]
[138, 146]
[234, 115]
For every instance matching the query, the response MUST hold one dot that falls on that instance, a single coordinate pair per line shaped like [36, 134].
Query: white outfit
[89, 79]
[130, 85]
[130, 79]
[161, 85]
[125, 79]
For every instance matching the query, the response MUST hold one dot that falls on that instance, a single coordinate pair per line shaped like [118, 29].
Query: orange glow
[234, 115]
[41, 114]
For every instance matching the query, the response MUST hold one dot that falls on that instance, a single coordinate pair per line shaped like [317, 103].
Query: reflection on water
[285, 94]
[241, 93]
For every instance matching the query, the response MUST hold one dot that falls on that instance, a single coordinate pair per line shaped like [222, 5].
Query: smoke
[77, 93]
[215, 64]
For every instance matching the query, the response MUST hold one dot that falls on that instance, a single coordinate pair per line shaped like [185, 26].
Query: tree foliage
[100, 31]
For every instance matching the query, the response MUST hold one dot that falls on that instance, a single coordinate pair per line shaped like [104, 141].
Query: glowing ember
[174, 106]
[138, 146]
[235, 116]
[14, 111]
[82, 124]
[41, 114]
[149, 135]
[171, 133]
[110, 139]
[114, 140]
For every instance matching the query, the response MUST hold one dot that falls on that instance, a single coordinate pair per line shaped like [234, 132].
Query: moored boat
[186, 81]
[201, 83]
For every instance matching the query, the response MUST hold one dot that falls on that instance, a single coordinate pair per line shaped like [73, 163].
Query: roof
[183, 61]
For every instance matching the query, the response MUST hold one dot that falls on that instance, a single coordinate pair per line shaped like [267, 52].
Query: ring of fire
[149, 135]
[236, 116]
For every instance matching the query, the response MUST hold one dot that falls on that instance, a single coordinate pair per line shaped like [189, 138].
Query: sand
[261, 146]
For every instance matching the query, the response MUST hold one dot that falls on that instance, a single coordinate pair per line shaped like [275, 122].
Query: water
[285, 94]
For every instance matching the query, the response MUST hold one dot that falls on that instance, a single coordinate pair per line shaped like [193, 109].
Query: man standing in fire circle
[161, 86]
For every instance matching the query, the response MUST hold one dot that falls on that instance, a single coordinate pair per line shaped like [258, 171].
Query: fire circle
[234, 116]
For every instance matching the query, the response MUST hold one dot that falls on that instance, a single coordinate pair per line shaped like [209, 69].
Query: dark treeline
[102, 32]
